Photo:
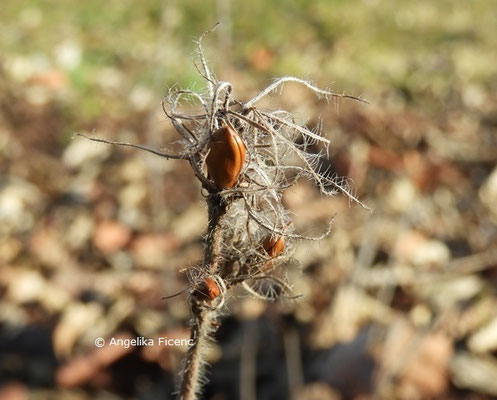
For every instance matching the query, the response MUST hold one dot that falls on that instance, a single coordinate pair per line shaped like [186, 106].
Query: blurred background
[400, 303]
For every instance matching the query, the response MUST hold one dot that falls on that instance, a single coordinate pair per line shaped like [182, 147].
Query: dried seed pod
[273, 246]
[226, 157]
[208, 289]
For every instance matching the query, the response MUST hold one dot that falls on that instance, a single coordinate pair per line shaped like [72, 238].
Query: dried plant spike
[226, 157]
[246, 229]
[274, 246]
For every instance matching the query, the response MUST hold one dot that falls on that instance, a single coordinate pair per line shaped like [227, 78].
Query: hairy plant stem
[204, 318]
[204, 325]
[217, 207]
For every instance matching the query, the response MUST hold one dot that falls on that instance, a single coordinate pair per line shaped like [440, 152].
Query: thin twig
[167, 156]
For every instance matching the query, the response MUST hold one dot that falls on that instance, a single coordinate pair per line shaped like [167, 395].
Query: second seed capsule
[273, 246]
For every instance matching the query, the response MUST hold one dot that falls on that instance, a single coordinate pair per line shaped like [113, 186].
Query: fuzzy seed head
[252, 155]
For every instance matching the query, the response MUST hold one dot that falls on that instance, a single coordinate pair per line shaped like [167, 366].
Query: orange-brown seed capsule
[208, 289]
[274, 246]
[226, 157]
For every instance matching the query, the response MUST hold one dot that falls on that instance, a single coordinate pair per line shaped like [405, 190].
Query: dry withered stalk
[245, 157]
